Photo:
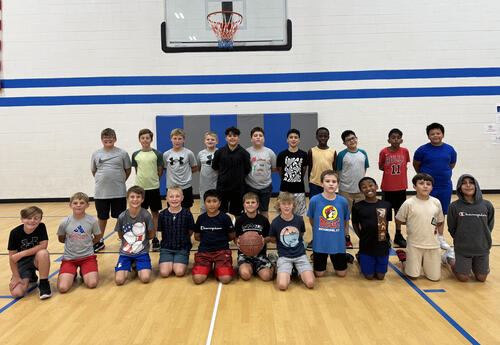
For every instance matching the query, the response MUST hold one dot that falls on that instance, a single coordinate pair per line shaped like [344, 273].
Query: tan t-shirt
[421, 218]
[321, 160]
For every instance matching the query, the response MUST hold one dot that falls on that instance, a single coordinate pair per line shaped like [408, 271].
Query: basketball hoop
[225, 24]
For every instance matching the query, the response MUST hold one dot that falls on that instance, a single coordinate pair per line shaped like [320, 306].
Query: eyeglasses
[352, 139]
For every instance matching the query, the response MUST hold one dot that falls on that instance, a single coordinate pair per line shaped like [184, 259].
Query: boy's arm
[356, 227]
[270, 239]
[381, 160]
[334, 163]
[16, 256]
[127, 173]
[231, 236]
[151, 234]
[197, 236]
[416, 165]
[346, 225]
[398, 222]
[16, 278]
[311, 221]
[310, 161]
[62, 238]
[160, 172]
[491, 216]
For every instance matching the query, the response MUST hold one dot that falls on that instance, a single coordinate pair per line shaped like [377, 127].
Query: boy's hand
[14, 282]
[238, 242]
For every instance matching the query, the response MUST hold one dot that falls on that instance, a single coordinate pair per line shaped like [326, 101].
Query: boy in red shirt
[393, 161]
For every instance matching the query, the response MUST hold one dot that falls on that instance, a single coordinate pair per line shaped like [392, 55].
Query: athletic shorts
[444, 196]
[188, 201]
[480, 264]
[395, 198]
[300, 204]
[116, 205]
[264, 195]
[370, 264]
[232, 202]
[352, 198]
[339, 261]
[152, 200]
[177, 256]
[142, 262]
[258, 262]
[87, 264]
[301, 263]
[314, 189]
[26, 267]
[429, 259]
[221, 260]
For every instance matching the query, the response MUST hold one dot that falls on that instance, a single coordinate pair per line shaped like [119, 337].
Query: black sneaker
[357, 256]
[34, 277]
[349, 257]
[133, 266]
[99, 245]
[310, 245]
[155, 244]
[294, 273]
[400, 241]
[44, 288]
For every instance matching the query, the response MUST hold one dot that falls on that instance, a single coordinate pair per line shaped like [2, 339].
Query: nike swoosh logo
[105, 160]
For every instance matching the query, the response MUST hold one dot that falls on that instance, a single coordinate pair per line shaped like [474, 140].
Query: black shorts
[231, 202]
[26, 267]
[339, 261]
[188, 201]
[395, 198]
[117, 206]
[152, 200]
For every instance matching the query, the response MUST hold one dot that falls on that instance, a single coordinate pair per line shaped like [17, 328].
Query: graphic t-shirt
[19, 240]
[436, 162]
[208, 176]
[178, 166]
[288, 234]
[329, 219]
[147, 163]
[135, 232]
[374, 219]
[262, 162]
[259, 224]
[395, 168]
[213, 232]
[291, 164]
[109, 167]
[79, 239]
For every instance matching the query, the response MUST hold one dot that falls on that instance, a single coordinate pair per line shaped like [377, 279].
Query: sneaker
[133, 266]
[357, 256]
[401, 255]
[155, 244]
[99, 245]
[400, 240]
[310, 246]
[294, 273]
[451, 254]
[442, 243]
[444, 258]
[348, 243]
[44, 288]
[34, 277]
[349, 257]
[273, 258]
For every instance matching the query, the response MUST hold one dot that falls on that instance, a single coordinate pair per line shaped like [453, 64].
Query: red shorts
[87, 264]
[222, 260]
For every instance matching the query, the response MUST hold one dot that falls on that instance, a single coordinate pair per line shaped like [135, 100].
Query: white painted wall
[46, 150]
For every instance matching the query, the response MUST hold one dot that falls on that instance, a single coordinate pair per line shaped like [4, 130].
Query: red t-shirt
[394, 164]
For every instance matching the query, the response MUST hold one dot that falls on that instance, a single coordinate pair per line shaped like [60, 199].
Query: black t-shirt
[371, 216]
[233, 166]
[259, 224]
[213, 232]
[291, 164]
[19, 240]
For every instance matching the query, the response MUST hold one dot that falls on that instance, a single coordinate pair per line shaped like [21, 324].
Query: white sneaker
[450, 253]
[444, 258]
[442, 243]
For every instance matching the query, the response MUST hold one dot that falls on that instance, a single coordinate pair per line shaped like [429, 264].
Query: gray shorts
[480, 264]
[300, 204]
[301, 263]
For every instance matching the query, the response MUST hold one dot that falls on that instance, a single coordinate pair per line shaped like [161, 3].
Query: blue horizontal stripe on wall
[250, 96]
[254, 78]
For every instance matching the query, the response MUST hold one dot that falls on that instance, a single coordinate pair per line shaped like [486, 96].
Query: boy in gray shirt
[208, 176]
[111, 167]
[78, 232]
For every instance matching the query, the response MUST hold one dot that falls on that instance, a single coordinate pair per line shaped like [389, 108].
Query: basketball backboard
[264, 26]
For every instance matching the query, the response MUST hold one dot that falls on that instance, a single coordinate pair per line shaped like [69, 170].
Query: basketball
[251, 243]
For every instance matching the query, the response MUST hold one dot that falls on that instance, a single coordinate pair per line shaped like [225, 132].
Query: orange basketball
[251, 243]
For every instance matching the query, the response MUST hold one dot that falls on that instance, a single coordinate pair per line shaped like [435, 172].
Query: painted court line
[435, 290]
[214, 315]
[436, 307]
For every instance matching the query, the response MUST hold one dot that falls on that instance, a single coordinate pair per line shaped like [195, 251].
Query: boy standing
[370, 220]
[351, 166]
[422, 216]
[28, 253]
[208, 176]
[214, 230]
[135, 227]
[263, 163]
[148, 164]
[111, 167]
[292, 165]
[393, 161]
[78, 232]
[320, 158]
[180, 164]
[437, 159]
[232, 164]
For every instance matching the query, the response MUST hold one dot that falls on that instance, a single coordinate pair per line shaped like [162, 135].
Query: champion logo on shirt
[465, 214]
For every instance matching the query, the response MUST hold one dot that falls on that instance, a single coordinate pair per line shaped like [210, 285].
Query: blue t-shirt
[288, 236]
[329, 219]
[213, 232]
[436, 162]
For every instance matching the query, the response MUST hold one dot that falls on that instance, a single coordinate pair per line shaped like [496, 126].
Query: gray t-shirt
[208, 176]
[261, 161]
[110, 173]
[79, 237]
[178, 166]
[135, 232]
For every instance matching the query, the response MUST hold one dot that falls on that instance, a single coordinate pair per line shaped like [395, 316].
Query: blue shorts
[370, 264]
[142, 261]
[444, 196]
[177, 256]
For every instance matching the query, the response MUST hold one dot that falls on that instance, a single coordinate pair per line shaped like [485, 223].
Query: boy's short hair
[211, 192]
[179, 132]
[422, 176]
[434, 125]
[347, 133]
[233, 130]
[395, 131]
[79, 196]
[249, 196]
[366, 178]
[322, 129]
[285, 197]
[146, 131]
[328, 172]
[212, 134]
[175, 188]
[257, 129]
[137, 190]
[31, 211]
[293, 131]
[108, 132]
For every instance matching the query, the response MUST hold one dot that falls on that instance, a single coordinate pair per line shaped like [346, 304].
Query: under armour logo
[180, 160]
[209, 160]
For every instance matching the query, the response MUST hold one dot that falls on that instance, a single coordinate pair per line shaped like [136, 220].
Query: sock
[44, 281]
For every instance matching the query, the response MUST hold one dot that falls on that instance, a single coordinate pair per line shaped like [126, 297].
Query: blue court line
[275, 96]
[434, 290]
[481, 72]
[10, 297]
[436, 307]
